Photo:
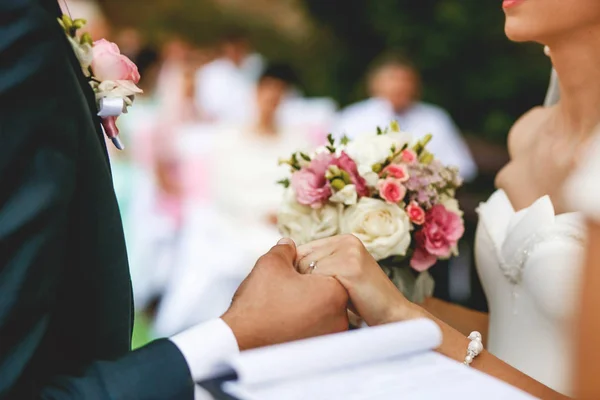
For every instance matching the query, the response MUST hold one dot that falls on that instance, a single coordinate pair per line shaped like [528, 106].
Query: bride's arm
[378, 301]
[460, 318]
[455, 343]
[588, 347]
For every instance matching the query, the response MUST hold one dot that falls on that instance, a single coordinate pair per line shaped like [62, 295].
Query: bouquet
[388, 191]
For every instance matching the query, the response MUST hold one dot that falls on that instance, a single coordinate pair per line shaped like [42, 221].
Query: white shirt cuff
[205, 347]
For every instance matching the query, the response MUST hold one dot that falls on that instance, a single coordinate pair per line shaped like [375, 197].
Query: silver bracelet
[475, 347]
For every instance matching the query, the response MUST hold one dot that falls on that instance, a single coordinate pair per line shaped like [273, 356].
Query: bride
[528, 244]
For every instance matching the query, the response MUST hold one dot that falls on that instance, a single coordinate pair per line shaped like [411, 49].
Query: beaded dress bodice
[529, 263]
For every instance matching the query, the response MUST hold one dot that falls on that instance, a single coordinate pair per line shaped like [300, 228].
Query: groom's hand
[276, 304]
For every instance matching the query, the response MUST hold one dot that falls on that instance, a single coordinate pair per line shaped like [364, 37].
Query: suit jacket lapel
[54, 9]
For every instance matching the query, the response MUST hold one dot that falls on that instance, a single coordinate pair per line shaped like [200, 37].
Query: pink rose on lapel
[110, 65]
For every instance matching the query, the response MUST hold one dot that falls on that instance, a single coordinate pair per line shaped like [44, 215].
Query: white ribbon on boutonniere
[111, 75]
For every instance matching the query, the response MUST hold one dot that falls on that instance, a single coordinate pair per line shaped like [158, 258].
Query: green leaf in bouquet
[330, 139]
[394, 126]
[345, 140]
[284, 182]
[379, 131]
[295, 164]
[338, 184]
[415, 286]
[425, 141]
[420, 146]
[331, 149]
[345, 177]
[333, 172]
[377, 168]
[426, 157]
[305, 157]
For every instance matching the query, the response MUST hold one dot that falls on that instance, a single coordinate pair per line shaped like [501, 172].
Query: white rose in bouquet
[371, 149]
[303, 223]
[347, 196]
[383, 228]
[451, 204]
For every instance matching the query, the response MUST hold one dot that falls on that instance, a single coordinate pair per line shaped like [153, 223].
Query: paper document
[394, 361]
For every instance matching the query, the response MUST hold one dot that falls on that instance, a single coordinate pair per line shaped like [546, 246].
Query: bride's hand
[372, 294]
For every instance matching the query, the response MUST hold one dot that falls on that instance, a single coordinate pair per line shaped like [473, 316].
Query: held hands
[373, 295]
[276, 304]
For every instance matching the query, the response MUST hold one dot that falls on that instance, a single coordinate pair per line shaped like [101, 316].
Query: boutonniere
[112, 76]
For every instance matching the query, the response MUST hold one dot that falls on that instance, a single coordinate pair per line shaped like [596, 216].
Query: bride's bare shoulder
[523, 132]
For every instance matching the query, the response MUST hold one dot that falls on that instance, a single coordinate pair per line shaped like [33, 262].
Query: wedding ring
[312, 266]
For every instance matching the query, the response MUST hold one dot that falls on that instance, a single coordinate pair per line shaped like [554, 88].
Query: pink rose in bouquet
[391, 190]
[310, 184]
[397, 171]
[421, 260]
[110, 65]
[438, 237]
[409, 156]
[442, 229]
[415, 212]
[344, 162]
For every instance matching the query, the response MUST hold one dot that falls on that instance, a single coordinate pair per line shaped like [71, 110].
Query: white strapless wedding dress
[529, 263]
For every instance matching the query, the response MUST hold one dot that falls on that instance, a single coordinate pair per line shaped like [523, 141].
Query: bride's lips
[511, 3]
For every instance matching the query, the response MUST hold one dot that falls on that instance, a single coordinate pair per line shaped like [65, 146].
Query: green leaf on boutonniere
[379, 131]
[331, 149]
[345, 140]
[79, 23]
[86, 38]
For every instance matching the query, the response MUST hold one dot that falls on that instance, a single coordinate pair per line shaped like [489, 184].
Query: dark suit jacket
[65, 290]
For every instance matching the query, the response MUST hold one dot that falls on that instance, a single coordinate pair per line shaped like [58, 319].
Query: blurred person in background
[171, 79]
[224, 87]
[395, 86]
[154, 212]
[257, 147]
[244, 199]
[131, 42]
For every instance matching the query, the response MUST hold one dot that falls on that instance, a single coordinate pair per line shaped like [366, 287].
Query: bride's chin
[517, 33]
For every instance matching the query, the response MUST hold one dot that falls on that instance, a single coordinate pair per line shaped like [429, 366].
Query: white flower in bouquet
[346, 196]
[451, 204]
[303, 223]
[369, 149]
[383, 228]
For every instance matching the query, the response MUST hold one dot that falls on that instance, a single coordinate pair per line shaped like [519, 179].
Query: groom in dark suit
[65, 291]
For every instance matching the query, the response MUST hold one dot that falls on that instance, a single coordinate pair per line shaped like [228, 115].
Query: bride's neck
[577, 63]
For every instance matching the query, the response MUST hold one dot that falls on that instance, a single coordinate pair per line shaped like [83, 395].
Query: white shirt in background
[225, 92]
[420, 119]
